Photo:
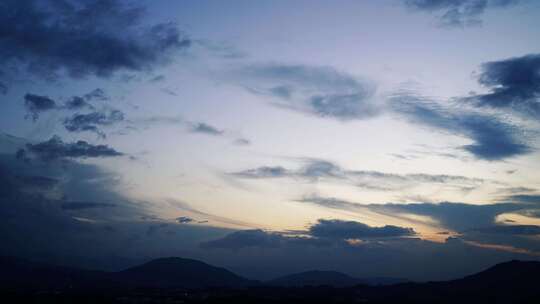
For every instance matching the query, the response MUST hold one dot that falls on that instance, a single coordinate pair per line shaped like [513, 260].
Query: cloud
[408, 257]
[84, 205]
[511, 229]
[36, 104]
[80, 102]
[514, 85]
[220, 49]
[330, 202]
[323, 233]
[34, 225]
[76, 103]
[492, 138]
[91, 121]
[184, 220]
[204, 128]
[316, 90]
[472, 223]
[355, 230]
[242, 142]
[454, 216]
[245, 238]
[74, 33]
[191, 126]
[523, 198]
[263, 172]
[87, 234]
[157, 78]
[458, 13]
[316, 169]
[38, 182]
[55, 148]
[3, 89]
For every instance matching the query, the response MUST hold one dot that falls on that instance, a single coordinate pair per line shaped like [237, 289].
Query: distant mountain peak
[175, 271]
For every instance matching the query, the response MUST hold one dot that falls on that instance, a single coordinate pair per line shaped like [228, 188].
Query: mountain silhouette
[179, 272]
[20, 273]
[328, 278]
[192, 281]
[314, 278]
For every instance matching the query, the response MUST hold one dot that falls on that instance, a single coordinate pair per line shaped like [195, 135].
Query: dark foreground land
[176, 280]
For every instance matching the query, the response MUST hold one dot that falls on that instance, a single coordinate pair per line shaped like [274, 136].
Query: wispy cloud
[493, 139]
[93, 121]
[317, 90]
[317, 170]
[55, 148]
[514, 85]
[36, 104]
[446, 214]
[205, 128]
[458, 13]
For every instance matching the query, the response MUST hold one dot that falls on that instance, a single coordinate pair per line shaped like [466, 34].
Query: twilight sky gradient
[379, 138]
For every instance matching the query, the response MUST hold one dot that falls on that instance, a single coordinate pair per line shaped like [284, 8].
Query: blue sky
[252, 133]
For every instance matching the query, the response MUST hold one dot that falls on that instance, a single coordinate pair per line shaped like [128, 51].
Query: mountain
[509, 282]
[328, 278]
[505, 273]
[179, 272]
[314, 278]
[22, 274]
[191, 281]
[161, 273]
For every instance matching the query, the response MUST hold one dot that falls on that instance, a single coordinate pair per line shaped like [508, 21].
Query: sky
[379, 138]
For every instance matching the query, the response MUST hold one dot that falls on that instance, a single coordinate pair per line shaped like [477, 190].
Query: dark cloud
[55, 148]
[204, 128]
[3, 89]
[511, 229]
[184, 220]
[76, 103]
[458, 13]
[153, 229]
[330, 202]
[92, 121]
[455, 216]
[263, 172]
[220, 49]
[96, 94]
[316, 169]
[514, 85]
[324, 233]
[321, 168]
[81, 102]
[492, 138]
[192, 127]
[157, 78]
[320, 91]
[38, 182]
[22, 155]
[50, 37]
[516, 190]
[85, 205]
[356, 230]
[523, 198]
[35, 226]
[242, 142]
[36, 104]
[245, 238]
[258, 238]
